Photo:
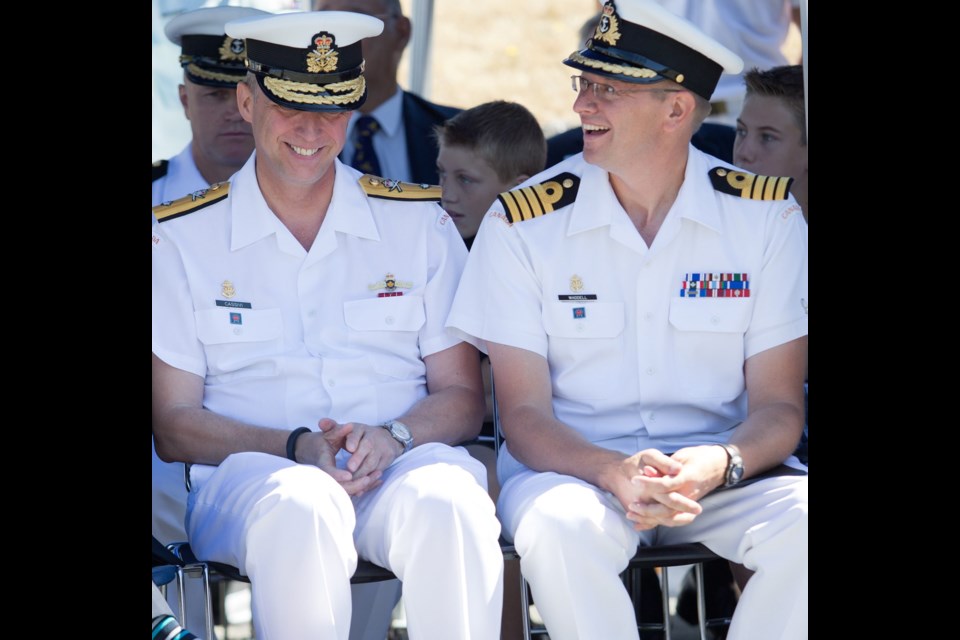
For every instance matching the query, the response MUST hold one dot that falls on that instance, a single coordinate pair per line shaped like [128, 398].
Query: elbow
[164, 451]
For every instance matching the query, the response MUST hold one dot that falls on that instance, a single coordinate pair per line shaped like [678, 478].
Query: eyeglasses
[606, 92]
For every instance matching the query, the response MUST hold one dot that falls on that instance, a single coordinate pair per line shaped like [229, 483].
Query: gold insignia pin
[324, 58]
[227, 290]
[576, 284]
[390, 283]
[232, 49]
[608, 29]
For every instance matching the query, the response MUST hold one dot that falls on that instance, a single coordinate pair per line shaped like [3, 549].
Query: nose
[447, 192]
[312, 124]
[586, 102]
[743, 151]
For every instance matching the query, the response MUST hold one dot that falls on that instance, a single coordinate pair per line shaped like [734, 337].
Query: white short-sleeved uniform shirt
[634, 361]
[182, 177]
[283, 337]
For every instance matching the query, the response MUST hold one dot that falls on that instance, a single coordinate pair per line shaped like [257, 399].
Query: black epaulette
[749, 185]
[534, 201]
[166, 211]
[160, 169]
[377, 187]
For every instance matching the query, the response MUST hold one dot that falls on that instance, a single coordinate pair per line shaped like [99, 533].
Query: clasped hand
[372, 450]
[656, 489]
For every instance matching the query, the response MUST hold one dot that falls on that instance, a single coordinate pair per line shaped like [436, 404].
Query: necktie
[364, 157]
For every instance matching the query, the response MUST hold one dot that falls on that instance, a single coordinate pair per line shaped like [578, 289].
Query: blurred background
[476, 51]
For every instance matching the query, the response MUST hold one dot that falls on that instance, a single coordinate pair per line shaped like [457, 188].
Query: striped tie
[364, 157]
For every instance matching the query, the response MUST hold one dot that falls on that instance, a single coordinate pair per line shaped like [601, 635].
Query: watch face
[400, 430]
[736, 474]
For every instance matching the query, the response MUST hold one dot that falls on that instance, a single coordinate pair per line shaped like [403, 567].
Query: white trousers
[296, 534]
[574, 540]
[169, 500]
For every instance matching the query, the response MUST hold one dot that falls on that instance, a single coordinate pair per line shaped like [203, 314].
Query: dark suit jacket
[419, 118]
[712, 138]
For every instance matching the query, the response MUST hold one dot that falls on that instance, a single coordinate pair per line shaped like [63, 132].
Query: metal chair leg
[665, 595]
[197, 572]
[701, 601]
[525, 608]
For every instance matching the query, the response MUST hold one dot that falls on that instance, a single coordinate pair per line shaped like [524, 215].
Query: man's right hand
[320, 449]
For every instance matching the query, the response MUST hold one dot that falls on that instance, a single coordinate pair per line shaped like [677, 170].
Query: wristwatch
[734, 465]
[401, 433]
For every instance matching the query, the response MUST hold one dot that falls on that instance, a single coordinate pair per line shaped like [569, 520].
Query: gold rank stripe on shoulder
[388, 189]
[749, 185]
[167, 211]
[534, 201]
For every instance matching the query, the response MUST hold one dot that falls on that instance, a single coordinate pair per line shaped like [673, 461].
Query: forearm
[195, 435]
[451, 415]
[768, 436]
[543, 443]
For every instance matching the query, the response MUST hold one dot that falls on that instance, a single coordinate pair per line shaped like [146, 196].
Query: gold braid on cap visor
[612, 68]
[194, 70]
[295, 91]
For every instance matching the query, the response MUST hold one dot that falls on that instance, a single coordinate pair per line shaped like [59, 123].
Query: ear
[404, 29]
[245, 101]
[182, 90]
[520, 178]
[682, 107]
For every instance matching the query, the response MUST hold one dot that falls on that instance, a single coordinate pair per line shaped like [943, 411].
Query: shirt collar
[695, 200]
[349, 210]
[251, 218]
[596, 202]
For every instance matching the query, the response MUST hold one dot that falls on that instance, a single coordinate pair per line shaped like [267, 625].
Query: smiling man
[643, 305]
[302, 369]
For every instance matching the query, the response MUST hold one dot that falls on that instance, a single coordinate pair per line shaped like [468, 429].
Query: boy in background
[485, 151]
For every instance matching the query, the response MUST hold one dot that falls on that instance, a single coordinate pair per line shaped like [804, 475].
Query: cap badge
[232, 49]
[324, 57]
[608, 29]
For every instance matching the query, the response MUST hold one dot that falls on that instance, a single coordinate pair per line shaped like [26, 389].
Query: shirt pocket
[585, 348]
[387, 331]
[707, 345]
[239, 343]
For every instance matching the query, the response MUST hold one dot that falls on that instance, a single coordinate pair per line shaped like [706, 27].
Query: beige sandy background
[504, 50]
[511, 50]
[481, 50]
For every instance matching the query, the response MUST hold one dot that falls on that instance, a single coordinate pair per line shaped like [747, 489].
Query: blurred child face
[768, 141]
[470, 186]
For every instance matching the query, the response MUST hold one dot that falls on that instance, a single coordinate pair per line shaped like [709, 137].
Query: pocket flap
[400, 313]
[225, 325]
[710, 314]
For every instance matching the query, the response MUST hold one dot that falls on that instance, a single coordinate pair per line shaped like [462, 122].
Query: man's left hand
[372, 448]
[703, 471]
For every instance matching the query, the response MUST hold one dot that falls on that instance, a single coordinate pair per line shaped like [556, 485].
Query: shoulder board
[160, 169]
[749, 185]
[534, 201]
[377, 187]
[166, 211]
